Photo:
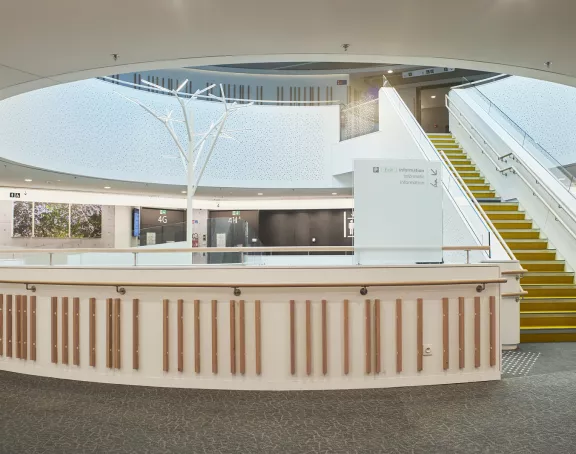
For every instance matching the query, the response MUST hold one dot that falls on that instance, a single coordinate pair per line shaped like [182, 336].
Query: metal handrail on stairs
[512, 169]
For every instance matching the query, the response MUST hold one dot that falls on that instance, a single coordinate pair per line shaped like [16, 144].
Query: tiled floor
[528, 413]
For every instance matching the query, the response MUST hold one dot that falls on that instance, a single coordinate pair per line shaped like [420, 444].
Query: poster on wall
[56, 220]
[397, 211]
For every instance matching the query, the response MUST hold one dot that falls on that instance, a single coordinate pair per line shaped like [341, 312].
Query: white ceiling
[49, 42]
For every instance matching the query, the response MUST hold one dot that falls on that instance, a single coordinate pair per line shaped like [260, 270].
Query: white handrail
[518, 160]
[247, 249]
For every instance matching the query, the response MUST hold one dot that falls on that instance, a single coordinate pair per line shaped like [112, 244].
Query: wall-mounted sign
[14, 195]
[426, 72]
[341, 82]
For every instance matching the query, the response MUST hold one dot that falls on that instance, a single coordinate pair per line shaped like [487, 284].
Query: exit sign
[14, 195]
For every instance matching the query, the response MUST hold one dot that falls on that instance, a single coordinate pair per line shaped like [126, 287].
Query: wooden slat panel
[136, 334]
[476, 331]
[24, 329]
[493, 347]
[461, 337]
[92, 332]
[377, 337]
[197, 336]
[76, 331]
[180, 335]
[214, 337]
[324, 338]
[368, 336]
[292, 338]
[165, 338]
[419, 334]
[109, 333]
[242, 338]
[9, 326]
[233, 337]
[1, 325]
[398, 335]
[308, 337]
[18, 325]
[117, 338]
[445, 334]
[257, 316]
[346, 339]
[65, 357]
[54, 317]
[32, 328]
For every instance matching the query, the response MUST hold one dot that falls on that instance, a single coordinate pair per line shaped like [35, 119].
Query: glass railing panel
[469, 212]
[537, 151]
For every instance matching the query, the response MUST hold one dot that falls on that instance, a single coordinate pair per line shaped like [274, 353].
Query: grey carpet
[534, 413]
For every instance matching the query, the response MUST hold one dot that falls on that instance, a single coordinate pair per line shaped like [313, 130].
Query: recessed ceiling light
[106, 187]
[183, 192]
[28, 180]
[433, 96]
[260, 193]
[334, 193]
[390, 71]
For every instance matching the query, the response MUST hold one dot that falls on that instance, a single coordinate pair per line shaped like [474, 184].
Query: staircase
[548, 311]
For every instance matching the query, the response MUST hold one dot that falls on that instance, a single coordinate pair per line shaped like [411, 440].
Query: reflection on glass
[86, 221]
[51, 220]
[22, 216]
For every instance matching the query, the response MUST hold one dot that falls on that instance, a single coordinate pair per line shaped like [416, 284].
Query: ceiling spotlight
[433, 96]
[106, 187]
[183, 192]
[260, 193]
[27, 180]
[390, 71]
[334, 193]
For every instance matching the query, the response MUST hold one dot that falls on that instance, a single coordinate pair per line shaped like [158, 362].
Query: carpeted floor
[530, 413]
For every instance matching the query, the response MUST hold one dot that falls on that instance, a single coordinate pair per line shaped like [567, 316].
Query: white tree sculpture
[191, 153]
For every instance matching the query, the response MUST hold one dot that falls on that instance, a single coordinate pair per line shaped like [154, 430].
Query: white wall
[86, 128]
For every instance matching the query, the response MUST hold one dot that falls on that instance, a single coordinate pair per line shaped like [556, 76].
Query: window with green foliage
[56, 220]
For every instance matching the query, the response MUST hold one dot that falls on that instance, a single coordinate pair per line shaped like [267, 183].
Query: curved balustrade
[290, 328]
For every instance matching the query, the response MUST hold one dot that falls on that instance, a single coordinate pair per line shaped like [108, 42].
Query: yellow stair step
[553, 277]
[512, 224]
[543, 265]
[500, 206]
[519, 233]
[530, 244]
[484, 194]
[542, 254]
[505, 215]
[550, 291]
[547, 304]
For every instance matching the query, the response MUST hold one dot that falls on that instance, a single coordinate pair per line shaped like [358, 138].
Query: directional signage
[398, 211]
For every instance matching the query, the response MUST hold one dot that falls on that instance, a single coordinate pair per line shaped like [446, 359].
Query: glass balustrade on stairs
[548, 311]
